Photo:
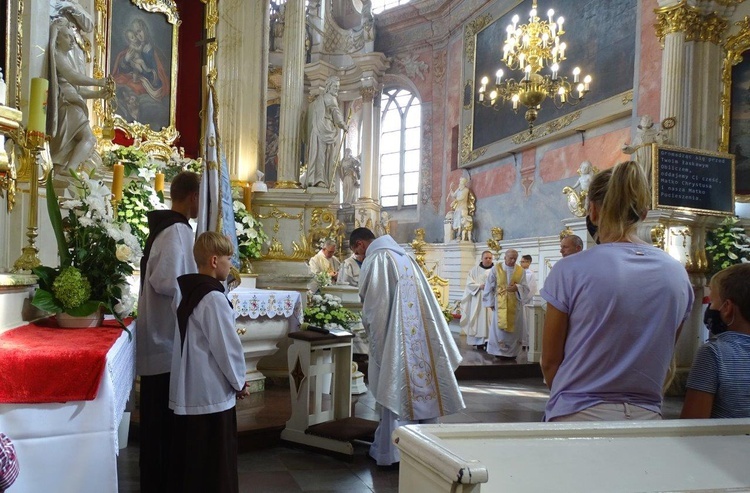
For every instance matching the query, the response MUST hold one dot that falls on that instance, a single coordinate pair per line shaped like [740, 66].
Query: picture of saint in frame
[140, 62]
[739, 138]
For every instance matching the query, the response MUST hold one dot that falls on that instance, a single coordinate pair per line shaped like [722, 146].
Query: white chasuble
[412, 352]
[475, 317]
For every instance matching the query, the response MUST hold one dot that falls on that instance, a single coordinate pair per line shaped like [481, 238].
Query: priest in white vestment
[476, 318]
[528, 297]
[505, 287]
[412, 352]
[324, 261]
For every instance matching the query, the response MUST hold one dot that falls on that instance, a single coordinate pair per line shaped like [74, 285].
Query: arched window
[381, 5]
[400, 144]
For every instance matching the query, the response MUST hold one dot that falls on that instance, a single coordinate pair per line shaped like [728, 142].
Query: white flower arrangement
[250, 234]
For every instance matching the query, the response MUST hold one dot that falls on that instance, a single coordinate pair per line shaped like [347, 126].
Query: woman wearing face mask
[614, 312]
[719, 382]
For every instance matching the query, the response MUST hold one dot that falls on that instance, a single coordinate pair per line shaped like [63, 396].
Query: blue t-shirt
[624, 303]
[722, 367]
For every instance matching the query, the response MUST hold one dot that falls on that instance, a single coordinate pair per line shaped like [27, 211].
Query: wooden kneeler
[320, 419]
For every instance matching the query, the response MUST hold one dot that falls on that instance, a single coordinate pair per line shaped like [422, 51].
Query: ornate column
[292, 94]
[673, 21]
[242, 37]
[376, 146]
[368, 179]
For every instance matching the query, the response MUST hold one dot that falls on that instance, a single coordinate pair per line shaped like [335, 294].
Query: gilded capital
[689, 20]
[367, 93]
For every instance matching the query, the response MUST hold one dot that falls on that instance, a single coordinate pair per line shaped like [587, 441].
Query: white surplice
[476, 319]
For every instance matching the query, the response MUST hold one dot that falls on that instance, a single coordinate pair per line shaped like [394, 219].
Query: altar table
[626, 456]
[71, 447]
[263, 319]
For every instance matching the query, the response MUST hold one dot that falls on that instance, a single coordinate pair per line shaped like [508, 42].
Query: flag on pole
[215, 211]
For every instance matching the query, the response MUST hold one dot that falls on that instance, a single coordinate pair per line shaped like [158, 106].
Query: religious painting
[599, 39]
[739, 134]
[142, 60]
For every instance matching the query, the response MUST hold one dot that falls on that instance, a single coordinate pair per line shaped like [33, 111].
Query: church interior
[456, 127]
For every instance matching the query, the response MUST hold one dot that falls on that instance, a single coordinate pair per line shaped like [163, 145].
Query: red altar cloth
[43, 363]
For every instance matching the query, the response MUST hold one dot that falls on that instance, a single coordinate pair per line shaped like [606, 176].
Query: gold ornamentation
[105, 114]
[467, 154]
[689, 20]
[669, 123]
[658, 233]
[547, 128]
[10, 119]
[367, 93]
[470, 35]
[494, 242]
[627, 97]
[566, 232]
[710, 28]
[418, 245]
[287, 184]
[19, 51]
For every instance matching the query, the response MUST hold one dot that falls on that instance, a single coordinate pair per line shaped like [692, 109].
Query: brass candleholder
[32, 144]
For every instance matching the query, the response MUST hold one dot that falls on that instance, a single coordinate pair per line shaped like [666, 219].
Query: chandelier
[529, 48]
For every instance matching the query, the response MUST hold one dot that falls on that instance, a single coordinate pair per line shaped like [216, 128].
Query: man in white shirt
[325, 261]
[168, 255]
[476, 319]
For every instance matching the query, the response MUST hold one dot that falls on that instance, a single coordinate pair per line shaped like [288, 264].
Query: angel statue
[578, 194]
[647, 133]
[72, 141]
[464, 206]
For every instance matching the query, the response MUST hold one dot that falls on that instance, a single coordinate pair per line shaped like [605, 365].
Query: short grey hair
[328, 242]
[577, 241]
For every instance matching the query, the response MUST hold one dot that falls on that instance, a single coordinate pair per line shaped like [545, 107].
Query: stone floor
[267, 465]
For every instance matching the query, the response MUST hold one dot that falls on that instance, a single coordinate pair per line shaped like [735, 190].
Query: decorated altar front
[264, 318]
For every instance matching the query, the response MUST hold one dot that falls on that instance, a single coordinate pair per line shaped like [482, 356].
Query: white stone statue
[350, 175]
[463, 205]
[323, 123]
[448, 227]
[72, 140]
[647, 133]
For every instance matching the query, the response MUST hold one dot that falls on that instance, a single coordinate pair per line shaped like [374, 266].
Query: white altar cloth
[71, 447]
[254, 303]
[646, 456]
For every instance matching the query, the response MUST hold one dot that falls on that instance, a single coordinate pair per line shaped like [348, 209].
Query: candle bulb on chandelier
[580, 90]
[515, 99]
[550, 15]
[576, 74]
[527, 69]
[493, 96]
[555, 68]
[560, 21]
[532, 14]
[562, 94]
[515, 21]
[562, 51]
[586, 83]
[499, 77]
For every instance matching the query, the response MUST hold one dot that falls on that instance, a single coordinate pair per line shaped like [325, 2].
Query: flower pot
[70, 322]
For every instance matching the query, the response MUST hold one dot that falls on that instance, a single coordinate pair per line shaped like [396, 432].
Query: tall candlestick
[38, 105]
[247, 195]
[159, 182]
[118, 173]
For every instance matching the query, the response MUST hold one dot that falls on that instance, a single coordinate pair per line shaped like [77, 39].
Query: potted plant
[96, 253]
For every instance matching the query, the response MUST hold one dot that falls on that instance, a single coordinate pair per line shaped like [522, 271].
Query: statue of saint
[647, 133]
[463, 205]
[323, 123]
[72, 140]
[350, 175]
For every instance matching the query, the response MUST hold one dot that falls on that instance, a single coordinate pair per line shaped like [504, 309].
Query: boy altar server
[208, 375]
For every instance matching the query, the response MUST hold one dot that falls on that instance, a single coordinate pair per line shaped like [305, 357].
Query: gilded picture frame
[735, 117]
[488, 135]
[139, 51]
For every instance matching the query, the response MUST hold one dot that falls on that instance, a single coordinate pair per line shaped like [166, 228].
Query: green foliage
[94, 251]
[138, 198]
[132, 158]
[327, 310]
[727, 245]
[71, 288]
[250, 234]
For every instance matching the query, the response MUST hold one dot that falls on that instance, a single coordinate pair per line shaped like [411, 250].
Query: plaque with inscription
[692, 179]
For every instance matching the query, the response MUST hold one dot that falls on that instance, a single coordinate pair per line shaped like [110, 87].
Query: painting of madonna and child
[739, 139]
[140, 60]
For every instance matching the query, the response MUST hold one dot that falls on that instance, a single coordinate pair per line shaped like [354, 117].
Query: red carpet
[43, 363]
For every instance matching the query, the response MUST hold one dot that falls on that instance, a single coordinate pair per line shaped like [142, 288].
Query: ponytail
[622, 195]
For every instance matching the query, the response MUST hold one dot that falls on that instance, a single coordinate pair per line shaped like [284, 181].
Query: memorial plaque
[695, 180]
